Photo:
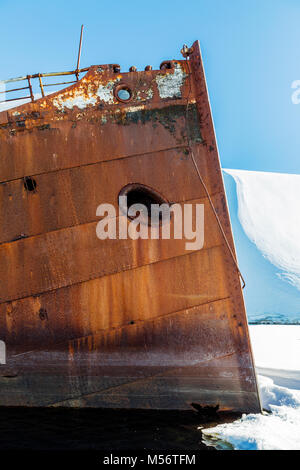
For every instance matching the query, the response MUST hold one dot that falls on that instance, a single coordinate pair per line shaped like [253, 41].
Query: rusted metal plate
[65, 257]
[104, 306]
[99, 368]
[52, 132]
[117, 323]
[62, 201]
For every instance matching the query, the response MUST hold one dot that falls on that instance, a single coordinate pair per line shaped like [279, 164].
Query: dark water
[94, 429]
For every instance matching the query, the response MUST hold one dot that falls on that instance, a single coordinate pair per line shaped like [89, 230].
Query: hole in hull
[140, 194]
[30, 184]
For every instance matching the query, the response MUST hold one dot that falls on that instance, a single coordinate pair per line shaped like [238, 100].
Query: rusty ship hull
[118, 323]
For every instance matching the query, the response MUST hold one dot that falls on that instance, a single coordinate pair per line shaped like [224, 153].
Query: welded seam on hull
[118, 327]
[99, 275]
[66, 227]
[163, 121]
[56, 170]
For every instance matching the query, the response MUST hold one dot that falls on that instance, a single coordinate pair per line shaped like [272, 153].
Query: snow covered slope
[278, 430]
[276, 351]
[265, 217]
[266, 224]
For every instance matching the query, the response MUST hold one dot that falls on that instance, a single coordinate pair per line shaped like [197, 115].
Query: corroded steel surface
[117, 323]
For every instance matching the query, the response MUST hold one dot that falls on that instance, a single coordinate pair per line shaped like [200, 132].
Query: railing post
[41, 85]
[30, 87]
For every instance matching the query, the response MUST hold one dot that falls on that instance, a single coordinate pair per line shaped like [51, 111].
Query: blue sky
[251, 52]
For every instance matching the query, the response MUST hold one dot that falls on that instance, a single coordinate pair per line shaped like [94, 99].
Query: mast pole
[79, 53]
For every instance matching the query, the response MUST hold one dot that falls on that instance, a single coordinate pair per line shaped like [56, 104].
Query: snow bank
[265, 223]
[278, 430]
[276, 347]
[276, 351]
[272, 396]
[269, 214]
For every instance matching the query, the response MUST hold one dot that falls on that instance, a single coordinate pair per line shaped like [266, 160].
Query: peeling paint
[106, 92]
[169, 84]
[143, 95]
[149, 94]
[77, 99]
[133, 109]
[82, 98]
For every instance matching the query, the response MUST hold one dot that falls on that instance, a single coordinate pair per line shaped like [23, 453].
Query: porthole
[140, 194]
[123, 93]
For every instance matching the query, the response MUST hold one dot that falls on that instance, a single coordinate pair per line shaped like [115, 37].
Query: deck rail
[42, 85]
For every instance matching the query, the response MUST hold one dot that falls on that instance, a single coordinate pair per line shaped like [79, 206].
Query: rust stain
[158, 326]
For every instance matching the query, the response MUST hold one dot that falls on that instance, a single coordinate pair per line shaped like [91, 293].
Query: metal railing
[42, 84]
